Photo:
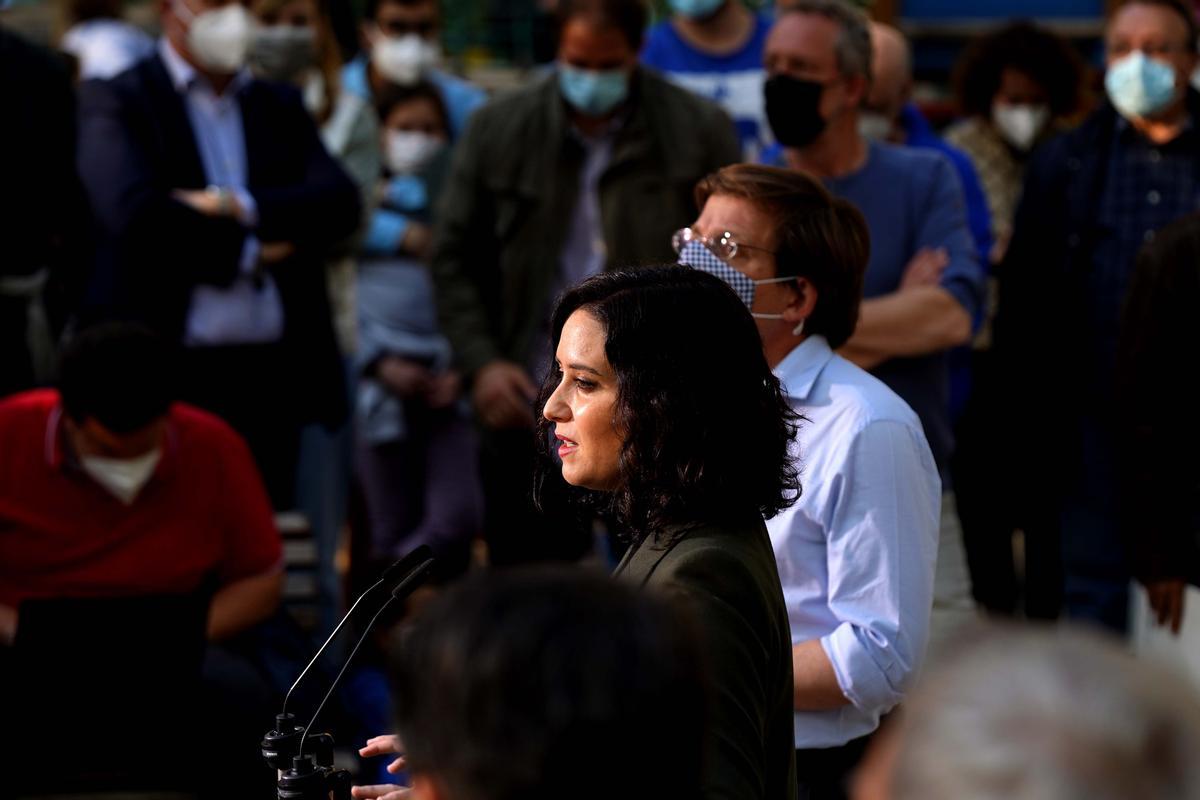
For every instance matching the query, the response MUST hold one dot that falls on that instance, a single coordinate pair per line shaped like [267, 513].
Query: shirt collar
[184, 76]
[800, 368]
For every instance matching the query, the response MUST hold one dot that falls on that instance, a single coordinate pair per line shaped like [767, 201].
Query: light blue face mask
[1139, 86]
[590, 92]
[695, 9]
[697, 256]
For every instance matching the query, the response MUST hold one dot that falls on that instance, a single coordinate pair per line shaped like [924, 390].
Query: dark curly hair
[1047, 59]
[705, 424]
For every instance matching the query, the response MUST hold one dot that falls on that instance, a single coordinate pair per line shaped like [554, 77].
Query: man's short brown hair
[1184, 10]
[821, 238]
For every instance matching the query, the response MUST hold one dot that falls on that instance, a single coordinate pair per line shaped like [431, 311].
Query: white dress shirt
[245, 312]
[856, 553]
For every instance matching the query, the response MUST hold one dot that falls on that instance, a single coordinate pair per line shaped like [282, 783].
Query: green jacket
[508, 201]
[726, 574]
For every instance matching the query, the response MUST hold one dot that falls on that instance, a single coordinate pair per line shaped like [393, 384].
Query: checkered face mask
[697, 256]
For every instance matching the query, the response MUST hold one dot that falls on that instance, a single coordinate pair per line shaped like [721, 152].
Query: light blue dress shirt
[245, 312]
[856, 553]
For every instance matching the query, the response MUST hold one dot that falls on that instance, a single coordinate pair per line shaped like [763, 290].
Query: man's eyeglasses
[724, 247]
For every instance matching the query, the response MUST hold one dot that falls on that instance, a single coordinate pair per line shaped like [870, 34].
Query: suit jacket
[725, 572]
[136, 146]
[512, 189]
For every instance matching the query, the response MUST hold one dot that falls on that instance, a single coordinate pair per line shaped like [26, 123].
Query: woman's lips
[566, 446]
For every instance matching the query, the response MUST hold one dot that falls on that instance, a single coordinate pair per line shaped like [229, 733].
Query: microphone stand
[310, 775]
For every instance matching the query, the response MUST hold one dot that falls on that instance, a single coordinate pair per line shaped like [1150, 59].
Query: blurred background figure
[102, 42]
[510, 684]
[1034, 714]
[1159, 476]
[923, 286]
[187, 157]
[550, 185]
[400, 43]
[110, 490]
[294, 42]
[714, 48]
[43, 213]
[888, 114]
[1092, 198]
[1017, 86]
[416, 444]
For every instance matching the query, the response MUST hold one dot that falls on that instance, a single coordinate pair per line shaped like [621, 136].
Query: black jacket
[136, 146]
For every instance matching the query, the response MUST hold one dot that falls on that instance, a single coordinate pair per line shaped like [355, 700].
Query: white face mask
[220, 38]
[873, 126]
[1020, 125]
[404, 59]
[408, 151]
[123, 478]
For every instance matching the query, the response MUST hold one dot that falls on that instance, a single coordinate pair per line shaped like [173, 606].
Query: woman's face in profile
[583, 406]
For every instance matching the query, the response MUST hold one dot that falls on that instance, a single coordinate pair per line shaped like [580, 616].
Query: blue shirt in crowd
[912, 199]
[856, 553]
[734, 81]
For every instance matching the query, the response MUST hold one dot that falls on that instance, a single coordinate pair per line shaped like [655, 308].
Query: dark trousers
[424, 489]
[516, 531]
[824, 773]
[253, 389]
[984, 491]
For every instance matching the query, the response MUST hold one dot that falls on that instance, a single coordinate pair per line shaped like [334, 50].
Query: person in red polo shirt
[108, 488]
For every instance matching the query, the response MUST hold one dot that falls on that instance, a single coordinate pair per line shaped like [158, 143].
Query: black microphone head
[414, 579]
[402, 567]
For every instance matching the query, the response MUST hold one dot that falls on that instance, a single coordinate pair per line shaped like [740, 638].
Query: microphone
[281, 743]
[411, 582]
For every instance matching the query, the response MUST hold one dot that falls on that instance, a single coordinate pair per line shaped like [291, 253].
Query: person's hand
[503, 395]
[925, 268]
[212, 203]
[378, 746]
[402, 377]
[443, 389]
[8, 624]
[1166, 599]
[417, 241]
[274, 252]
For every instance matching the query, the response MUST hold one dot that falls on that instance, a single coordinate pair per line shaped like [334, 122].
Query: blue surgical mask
[593, 93]
[697, 256]
[695, 9]
[1139, 86]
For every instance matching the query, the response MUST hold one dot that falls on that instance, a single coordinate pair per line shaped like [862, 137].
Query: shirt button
[1153, 197]
[1148, 237]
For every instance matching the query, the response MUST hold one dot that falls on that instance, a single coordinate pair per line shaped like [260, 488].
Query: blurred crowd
[274, 267]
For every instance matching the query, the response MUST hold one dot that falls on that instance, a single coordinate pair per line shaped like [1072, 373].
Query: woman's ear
[802, 303]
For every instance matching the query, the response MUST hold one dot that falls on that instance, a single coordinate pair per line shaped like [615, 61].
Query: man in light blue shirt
[856, 553]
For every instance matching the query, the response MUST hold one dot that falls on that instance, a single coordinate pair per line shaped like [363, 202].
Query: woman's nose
[556, 410]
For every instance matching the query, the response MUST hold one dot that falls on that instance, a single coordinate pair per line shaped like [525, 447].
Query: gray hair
[1049, 715]
[852, 49]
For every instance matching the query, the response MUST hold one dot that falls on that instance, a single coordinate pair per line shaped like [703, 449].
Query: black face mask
[793, 109]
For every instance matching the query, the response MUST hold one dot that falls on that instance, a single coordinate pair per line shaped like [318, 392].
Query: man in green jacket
[590, 167]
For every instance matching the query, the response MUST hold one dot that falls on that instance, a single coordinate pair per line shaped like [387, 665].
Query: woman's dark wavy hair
[706, 426]
[1046, 58]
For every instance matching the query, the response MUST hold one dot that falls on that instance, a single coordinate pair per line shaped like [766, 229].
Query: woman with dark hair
[856, 553]
[664, 415]
[1014, 86]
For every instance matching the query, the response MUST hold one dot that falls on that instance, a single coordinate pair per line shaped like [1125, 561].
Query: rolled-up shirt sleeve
[882, 545]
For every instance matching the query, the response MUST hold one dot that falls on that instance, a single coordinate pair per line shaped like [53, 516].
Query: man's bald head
[891, 81]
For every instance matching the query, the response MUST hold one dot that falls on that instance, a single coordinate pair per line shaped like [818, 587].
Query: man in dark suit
[215, 201]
